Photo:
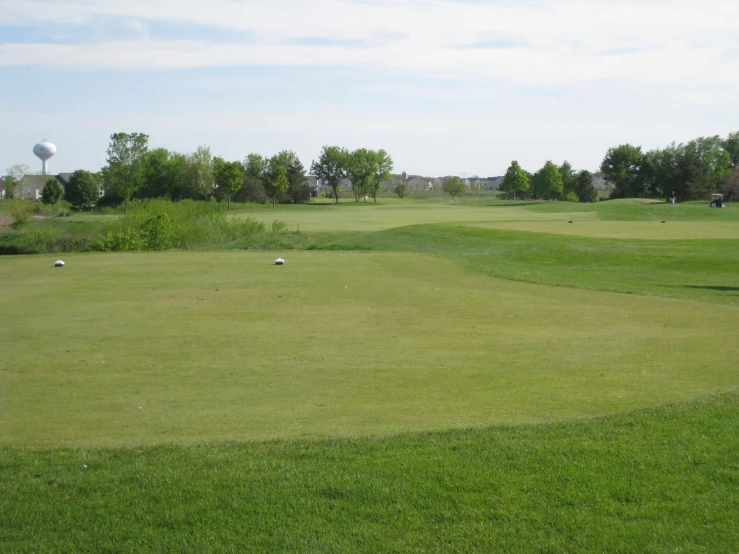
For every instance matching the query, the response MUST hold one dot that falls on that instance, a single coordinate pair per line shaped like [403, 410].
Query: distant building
[32, 186]
[601, 184]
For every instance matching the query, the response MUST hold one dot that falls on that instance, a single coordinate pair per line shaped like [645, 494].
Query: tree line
[690, 171]
[551, 182]
[133, 171]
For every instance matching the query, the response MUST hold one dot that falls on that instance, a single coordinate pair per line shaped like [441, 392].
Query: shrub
[157, 232]
[278, 226]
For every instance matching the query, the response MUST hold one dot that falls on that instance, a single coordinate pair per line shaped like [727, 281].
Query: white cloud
[560, 42]
[640, 71]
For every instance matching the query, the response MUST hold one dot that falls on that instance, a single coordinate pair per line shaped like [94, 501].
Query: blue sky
[445, 86]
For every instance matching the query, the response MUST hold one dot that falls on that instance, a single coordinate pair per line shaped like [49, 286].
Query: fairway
[639, 230]
[390, 214]
[127, 349]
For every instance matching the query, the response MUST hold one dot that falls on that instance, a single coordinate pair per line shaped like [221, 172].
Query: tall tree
[549, 181]
[731, 145]
[381, 168]
[198, 178]
[568, 178]
[52, 193]
[515, 180]
[255, 171]
[331, 167]
[454, 186]
[276, 183]
[125, 171]
[298, 188]
[82, 190]
[715, 158]
[360, 168]
[660, 170]
[228, 177]
[162, 174]
[622, 167]
[584, 187]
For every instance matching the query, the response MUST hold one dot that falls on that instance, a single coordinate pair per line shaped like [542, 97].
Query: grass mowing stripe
[658, 480]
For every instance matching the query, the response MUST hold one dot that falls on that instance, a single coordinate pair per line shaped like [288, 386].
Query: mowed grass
[189, 347]
[389, 214]
[660, 480]
[638, 230]
[393, 389]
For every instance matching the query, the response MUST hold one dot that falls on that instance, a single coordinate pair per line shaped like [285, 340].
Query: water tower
[44, 150]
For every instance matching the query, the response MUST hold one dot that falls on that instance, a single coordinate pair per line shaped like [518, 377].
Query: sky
[445, 86]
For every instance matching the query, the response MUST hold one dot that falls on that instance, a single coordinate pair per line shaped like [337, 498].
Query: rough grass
[662, 480]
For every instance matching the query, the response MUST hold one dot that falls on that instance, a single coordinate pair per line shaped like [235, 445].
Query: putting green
[647, 230]
[187, 347]
[370, 217]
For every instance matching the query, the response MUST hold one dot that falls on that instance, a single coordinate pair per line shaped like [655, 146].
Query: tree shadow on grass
[512, 205]
[718, 288]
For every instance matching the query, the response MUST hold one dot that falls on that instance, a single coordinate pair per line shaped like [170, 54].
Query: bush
[157, 232]
[150, 225]
[278, 226]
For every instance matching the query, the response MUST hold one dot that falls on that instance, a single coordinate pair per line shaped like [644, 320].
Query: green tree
[401, 188]
[82, 190]
[228, 177]
[360, 168]
[715, 158]
[568, 178]
[549, 181]
[255, 171]
[381, 168]
[454, 186]
[584, 187]
[622, 167]
[331, 167]
[731, 145]
[52, 193]
[515, 180]
[298, 188]
[125, 171]
[276, 183]
[163, 175]
[198, 174]
[660, 170]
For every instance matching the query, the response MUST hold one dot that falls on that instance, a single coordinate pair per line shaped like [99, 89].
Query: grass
[186, 347]
[659, 480]
[390, 213]
[419, 376]
[639, 230]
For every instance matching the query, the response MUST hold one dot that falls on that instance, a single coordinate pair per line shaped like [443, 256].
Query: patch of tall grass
[149, 225]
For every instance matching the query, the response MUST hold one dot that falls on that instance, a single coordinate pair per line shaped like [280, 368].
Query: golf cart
[717, 200]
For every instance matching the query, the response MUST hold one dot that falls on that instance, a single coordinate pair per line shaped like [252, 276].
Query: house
[32, 185]
[493, 183]
[417, 184]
